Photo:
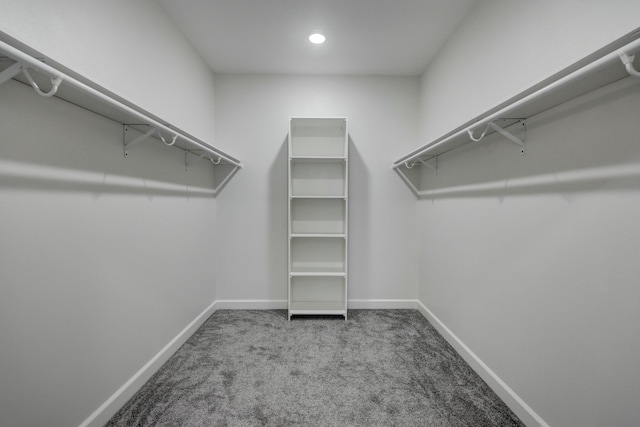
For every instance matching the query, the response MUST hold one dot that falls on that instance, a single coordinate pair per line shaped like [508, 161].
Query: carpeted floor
[255, 368]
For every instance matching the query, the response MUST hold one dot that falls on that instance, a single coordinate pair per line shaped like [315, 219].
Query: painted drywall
[253, 116]
[103, 260]
[504, 47]
[130, 48]
[530, 260]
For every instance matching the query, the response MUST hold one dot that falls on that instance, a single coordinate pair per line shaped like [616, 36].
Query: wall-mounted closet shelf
[606, 66]
[47, 79]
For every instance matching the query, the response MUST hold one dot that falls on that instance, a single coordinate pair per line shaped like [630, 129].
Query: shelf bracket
[433, 166]
[627, 60]
[10, 72]
[201, 156]
[139, 139]
[511, 137]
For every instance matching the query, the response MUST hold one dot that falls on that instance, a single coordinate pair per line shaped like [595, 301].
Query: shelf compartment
[318, 216]
[325, 179]
[317, 255]
[300, 308]
[318, 274]
[318, 136]
[318, 295]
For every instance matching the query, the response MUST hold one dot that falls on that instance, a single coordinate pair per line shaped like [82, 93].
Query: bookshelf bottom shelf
[328, 308]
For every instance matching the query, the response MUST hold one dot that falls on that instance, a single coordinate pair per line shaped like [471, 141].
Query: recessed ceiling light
[317, 38]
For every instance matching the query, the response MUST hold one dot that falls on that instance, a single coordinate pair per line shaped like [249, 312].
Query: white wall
[103, 260]
[130, 48]
[253, 116]
[531, 260]
[505, 47]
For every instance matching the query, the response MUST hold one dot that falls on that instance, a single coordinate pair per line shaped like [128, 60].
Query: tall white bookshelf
[318, 216]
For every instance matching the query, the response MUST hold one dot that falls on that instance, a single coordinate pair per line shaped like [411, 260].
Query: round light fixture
[317, 38]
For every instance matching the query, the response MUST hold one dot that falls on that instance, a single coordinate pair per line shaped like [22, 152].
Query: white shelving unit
[318, 216]
[610, 64]
[49, 79]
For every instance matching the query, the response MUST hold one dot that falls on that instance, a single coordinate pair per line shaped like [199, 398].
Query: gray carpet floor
[256, 368]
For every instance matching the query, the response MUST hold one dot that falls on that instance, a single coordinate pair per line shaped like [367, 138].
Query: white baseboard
[109, 408]
[249, 304]
[282, 304]
[388, 304]
[508, 396]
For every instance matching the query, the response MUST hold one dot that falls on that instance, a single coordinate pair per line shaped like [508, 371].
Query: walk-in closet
[355, 213]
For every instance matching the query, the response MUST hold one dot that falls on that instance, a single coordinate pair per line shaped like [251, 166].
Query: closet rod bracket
[511, 137]
[426, 163]
[204, 154]
[627, 60]
[55, 84]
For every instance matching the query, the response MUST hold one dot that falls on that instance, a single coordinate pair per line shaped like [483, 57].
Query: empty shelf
[30, 68]
[591, 73]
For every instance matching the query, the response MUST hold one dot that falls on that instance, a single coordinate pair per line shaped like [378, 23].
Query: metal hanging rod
[24, 62]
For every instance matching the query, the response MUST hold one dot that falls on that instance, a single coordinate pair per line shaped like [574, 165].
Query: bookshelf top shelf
[316, 138]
